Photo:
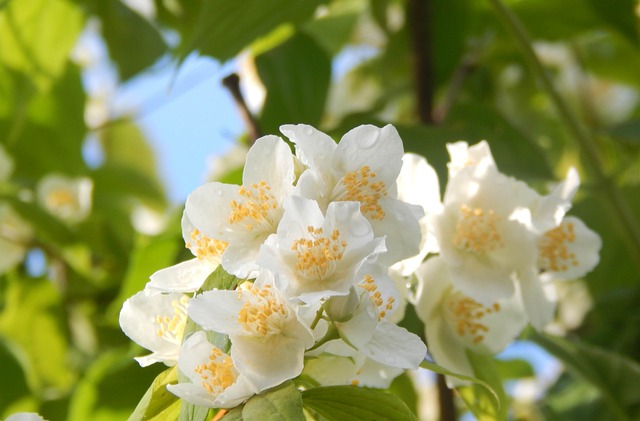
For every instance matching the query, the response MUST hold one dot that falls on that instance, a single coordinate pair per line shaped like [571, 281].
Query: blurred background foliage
[439, 70]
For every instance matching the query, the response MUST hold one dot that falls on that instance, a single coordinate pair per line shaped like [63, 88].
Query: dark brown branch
[445, 400]
[419, 18]
[232, 83]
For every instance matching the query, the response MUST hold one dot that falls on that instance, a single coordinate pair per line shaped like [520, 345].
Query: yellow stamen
[360, 186]
[317, 256]
[554, 253]
[477, 231]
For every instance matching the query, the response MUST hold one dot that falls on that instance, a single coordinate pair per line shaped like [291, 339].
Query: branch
[419, 16]
[232, 83]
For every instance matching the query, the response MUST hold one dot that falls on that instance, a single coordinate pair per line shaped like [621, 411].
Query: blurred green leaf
[480, 400]
[555, 20]
[283, 403]
[225, 27]
[13, 373]
[629, 131]
[621, 14]
[338, 403]
[191, 412]
[158, 404]
[36, 37]
[34, 320]
[615, 376]
[333, 31]
[148, 256]
[514, 369]
[133, 43]
[295, 94]
[111, 388]
[402, 387]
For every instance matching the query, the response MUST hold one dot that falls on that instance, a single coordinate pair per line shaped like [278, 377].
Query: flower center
[60, 197]
[369, 284]
[476, 231]
[317, 256]
[218, 373]
[554, 253]
[467, 315]
[254, 208]
[360, 186]
[171, 327]
[204, 247]
[263, 313]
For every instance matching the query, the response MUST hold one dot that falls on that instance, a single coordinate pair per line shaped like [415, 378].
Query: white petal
[270, 160]
[377, 148]
[217, 310]
[549, 211]
[538, 307]
[183, 277]
[313, 147]
[395, 346]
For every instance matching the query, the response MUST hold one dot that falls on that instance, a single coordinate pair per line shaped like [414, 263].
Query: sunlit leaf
[33, 39]
[225, 27]
[338, 403]
[111, 388]
[158, 403]
[282, 403]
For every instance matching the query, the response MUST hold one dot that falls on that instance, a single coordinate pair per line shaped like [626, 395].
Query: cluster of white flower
[324, 242]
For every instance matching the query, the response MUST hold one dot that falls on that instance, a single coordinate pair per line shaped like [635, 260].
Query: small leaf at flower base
[191, 412]
[158, 403]
[281, 403]
[481, 401]
[338, 403]
[219, 279]
[616, 377]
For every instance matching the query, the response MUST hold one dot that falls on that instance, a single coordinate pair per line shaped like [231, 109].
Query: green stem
[315, 321]
[618, 206]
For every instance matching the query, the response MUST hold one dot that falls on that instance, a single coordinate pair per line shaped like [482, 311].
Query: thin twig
[445, 400]
[232, 83]
[466, 67]
[419, 16]
[622, 214]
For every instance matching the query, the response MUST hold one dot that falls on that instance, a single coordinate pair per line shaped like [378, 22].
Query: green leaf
[338, 403]
[158, 403]
[555, 20]
[402, 386]
[281, 403]
[33, 319]
[621, 14]
[148, 256]
[445, 372]
[219, 279]
[615, 376]
[480, 400]
[133, 43]
[332, 32]
[294, 94]
[514, 369]
[225, 27]
[629, 131]
[13, 373]
[191, 412]
[36, 37]
[111, 388]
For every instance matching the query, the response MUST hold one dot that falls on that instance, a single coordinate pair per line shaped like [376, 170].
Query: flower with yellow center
[156, 322]
[215, 380]
[268, 340]
[69, 199]
[314, 256]
[455, 322]
[188, 276]
[15, 236]
[363, 167]
[240, 218]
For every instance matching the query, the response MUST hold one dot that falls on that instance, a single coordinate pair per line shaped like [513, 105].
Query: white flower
[368, 330]
[15, 234]
[155, 321]
[357, 370]
[314, 256]
[568, 251]
[244, 216]
[455, 322]
[67, 198]
[363, 167]
[6, 164]
[418, 185]
[189, 276]
[268, 340]
[484, 232]
[215, 380]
